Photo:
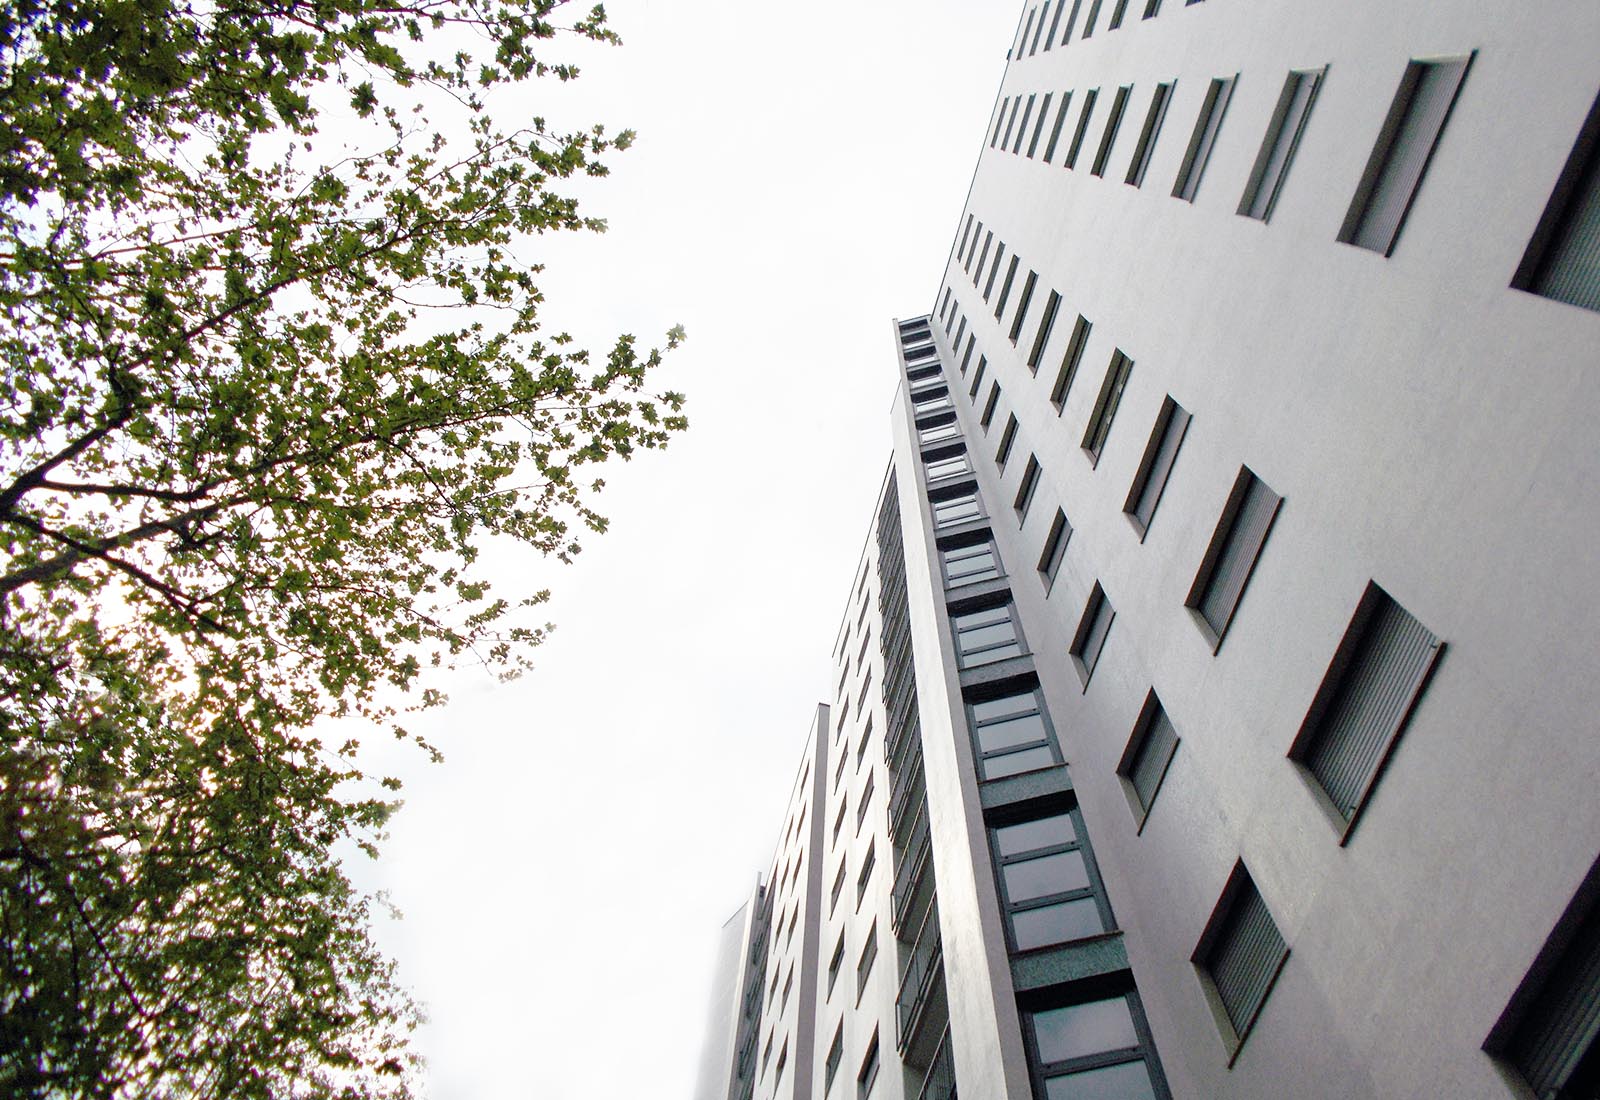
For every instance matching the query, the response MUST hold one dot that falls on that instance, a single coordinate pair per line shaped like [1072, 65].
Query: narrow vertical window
[1119, 104]
[1362, 707]
[1076, 146]
[865, 877]
[1563, 258]
[1007, 438]
[977, 378]
[1089, 640]
[961, 330]
[1277, 149]
[965, 234]
[999, 121]
[1022, 129]
[1041, 338]
[1047, 881]
[1400, 157]
[869, 1070]
[1152, 8]
[1044, 13]
[994, 270]
[1145, 760]
[869, 954]
[1027, 29]
[1069, 363]
[1055, 24]
[989, 406]
[1094, 13]
[1117, 13]
[1231, 557]
[1105, 406]
[1095, 1049]
[1055, 129]
[983, 257]
[835, 962]
[1038, 127]
[1025, 490]
[1055, 549]
[1011, 122]
[1022, 305]
[830, 1065]
[1005, 287]
[1146, 148]
[1156, 466]
[1072, 21]
[972, 342]
[1239, 956]
[1203, 138]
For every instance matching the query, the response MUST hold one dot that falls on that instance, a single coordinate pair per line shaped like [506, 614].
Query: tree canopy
[275, 374]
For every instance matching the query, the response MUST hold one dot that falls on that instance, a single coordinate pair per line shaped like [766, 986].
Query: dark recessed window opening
[1203, 138]
[1231, 557]
[1278, 148]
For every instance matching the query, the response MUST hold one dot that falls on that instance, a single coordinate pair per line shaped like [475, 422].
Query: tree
[274, 375]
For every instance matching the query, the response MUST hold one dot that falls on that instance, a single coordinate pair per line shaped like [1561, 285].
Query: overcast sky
[796, 184]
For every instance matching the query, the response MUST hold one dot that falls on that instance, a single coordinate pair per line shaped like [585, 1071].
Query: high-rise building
[1217, 694]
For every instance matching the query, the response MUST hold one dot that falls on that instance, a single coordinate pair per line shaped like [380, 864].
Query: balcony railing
[940, 1081]
[912, 867]
[923, 969]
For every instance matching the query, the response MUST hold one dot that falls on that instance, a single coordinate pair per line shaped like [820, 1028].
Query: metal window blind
[1386, 670]
[1161, 466]
[1571, 269]
[1564, 1022]
[1295, 107]
[1245, 957]
[1238, 556]
[1160, 741]
[1433, 90]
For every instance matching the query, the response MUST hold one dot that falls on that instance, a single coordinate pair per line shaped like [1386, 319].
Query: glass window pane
[1006, 707]
[1059, 923]
[1037, 878]
[1128, 1081]
[997, 767]
[1079, 1030]
[1015, 731]
[1047, 832]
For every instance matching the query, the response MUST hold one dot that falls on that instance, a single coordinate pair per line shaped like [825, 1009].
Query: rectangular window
[1023, 303]
[1055, 128]
[961, 330]
[838, 886]
[983, 256]
[838, 821]
[1362, 706]
[1203, 138]
[970, 564]
[989, 406]
[866, 802]
[783, 1060]
[999, 121]
[1038, 127]
[1548, 1033]
[1152, 9]
[944, 307]
[1083, 127]
[1005, 288]
[957, 507]
[1055, 24]
[865, 877]
[966, 356]
[830, 1065]
[1069, 363]
[1145, 760]
[1105, 406]
[1007, 438]
[1022, 130]
[1055, 549]
[938, 431]
[1116, 15]
[1156, 465]
[1044, 13]
[1047, 882]
[977, 378]
[1052, 305]
[1231, 557]
[1027, 28]
[986, 636]
[1563, 258]
[1012, 735]
[1146, 148]
[948, 465]
[1400, 157]
[866, 736]
[966, 232]
[835, 962]
[1025, 489]
[999, 258]
[869, 1069]
[1094, 13]
[1094, 1049]
[788, 987]
[1089, 640]
[1119, 104]
[1278, 147]
[1011, 122]
[1239, 956]
[864, 965]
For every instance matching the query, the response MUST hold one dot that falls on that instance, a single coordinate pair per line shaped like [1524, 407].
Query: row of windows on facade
[1562, 260]
[1372, 685]
[1034, 39]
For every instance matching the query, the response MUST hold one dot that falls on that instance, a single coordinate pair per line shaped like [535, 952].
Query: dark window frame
[1098, 431]
[1038, 127]
[1236, 894]
[1134, 755]
[1008, 438]
[1041, 338]
[1150, 480]
[964, 657]
[1108, 137]
[1055, 130]
[1054, 551]
[1145, 150]
[1082, 660]
[1026, 488]
[1579, 172]
[1075, 147]
[1083, 993]
[1024, 300]
[1221, 540]
[1207, 128]
[1011, 689]
[1071, 359]
[1095, 890]
[1284, 131]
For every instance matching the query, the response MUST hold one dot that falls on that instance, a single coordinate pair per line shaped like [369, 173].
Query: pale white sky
[797, 182]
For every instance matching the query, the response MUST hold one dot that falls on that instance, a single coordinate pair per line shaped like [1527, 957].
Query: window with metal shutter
[1405, 145]
[1563, 260]
[1204, 137]
[1557, 1047]
[1159, 456]
[1383, 662]
[1155, 751]
[1234, 549]
[1283, 137]
[1242, 953]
